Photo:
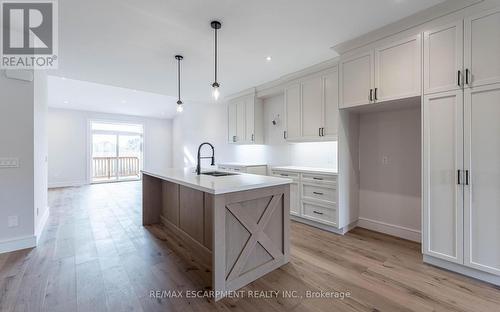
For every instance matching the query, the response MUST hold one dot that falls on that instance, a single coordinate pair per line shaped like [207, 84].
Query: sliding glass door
[116, 152]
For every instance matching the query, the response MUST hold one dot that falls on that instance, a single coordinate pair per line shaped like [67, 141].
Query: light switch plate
[9, 162]
[12, 221]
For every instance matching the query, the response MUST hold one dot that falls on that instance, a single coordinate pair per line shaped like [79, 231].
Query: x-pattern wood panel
[257, 234]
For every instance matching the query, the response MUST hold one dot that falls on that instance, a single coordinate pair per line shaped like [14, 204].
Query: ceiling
[131, 44]
[88, 96]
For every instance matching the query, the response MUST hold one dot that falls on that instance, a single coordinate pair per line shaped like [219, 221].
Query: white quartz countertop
[306, 169]
[217, 185]
[238, 164]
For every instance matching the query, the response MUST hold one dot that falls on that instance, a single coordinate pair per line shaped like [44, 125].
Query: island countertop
[217, 185]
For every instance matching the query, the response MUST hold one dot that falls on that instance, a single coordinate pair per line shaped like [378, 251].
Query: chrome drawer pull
[285, 175]
[316, 178]
[317, 212]
[318, 193]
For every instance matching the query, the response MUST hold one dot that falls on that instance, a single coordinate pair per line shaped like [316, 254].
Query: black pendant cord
[179, 80]
[215, 55]
[179, 58]
[216, 25]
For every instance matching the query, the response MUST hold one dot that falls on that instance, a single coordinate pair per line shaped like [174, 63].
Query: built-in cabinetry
[313, 196]
[461, 167]
[390, 71]
[245, 119]
[311, 107]
[244, 168]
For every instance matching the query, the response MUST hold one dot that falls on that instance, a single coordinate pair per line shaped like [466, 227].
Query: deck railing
[108, 167]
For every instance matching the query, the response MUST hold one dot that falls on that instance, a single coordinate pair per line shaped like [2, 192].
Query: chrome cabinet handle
[253, 137]
[459, 175]
[316, 178]
[375, 93]
[458, 78]
[371, 95]
[467, 76]
[466, 177]
[318, 193]
[284, 175]
[317, 212]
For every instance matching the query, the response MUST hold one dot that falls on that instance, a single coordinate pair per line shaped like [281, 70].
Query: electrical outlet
[6, 162]
[385, 160]
[12, 221]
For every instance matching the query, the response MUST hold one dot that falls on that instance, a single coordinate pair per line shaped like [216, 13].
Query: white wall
[40, 150]
[208, 122]
[16, 184]
[69, 142]
[390, 192]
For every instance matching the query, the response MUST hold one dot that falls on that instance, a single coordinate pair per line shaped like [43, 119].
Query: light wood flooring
[94, 255]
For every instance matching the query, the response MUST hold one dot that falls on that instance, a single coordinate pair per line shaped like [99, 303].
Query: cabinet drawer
[325, 193]
[319, 178]
[319, 213]
[285, 174]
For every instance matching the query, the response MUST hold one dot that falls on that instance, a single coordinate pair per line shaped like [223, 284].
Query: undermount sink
[218, 173]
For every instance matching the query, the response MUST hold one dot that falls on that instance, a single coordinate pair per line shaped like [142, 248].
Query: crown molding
[412, 21]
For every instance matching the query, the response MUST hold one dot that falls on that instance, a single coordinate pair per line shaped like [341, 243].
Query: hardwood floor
[94, 255]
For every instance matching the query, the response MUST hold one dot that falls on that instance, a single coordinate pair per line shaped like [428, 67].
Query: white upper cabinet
[390, 71]
[356, 80]
[292, 112]
[398, 70]
[231, 121]
[443, 58]
[331, 104]
[482, 48]
[241, 121]
[311, 107]
[245, 119]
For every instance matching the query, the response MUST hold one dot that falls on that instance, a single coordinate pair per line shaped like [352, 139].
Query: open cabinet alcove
[380, 166]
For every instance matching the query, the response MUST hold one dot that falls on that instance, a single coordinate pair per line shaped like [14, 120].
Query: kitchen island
[237, 225]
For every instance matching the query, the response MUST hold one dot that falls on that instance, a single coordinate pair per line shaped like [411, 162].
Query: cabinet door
[240, 121]
[294, 199]
[442, 158]
[356, 80]
[249, 121]
[398, 69]
[482, 194]
[331, 105]
[443, 58]
[231, 121]
[292, 112]
[482, 48]
[312, 108]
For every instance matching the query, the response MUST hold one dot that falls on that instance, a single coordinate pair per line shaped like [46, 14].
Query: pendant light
[216, 25]
[180, 107]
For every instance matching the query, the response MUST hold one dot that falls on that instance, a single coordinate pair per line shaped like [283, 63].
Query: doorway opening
[116, 151]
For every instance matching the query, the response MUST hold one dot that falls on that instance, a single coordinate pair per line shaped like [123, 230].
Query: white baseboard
[67, 184]
[390, 229]
[41, 224]
[450, 266]
[324, 227]
[18, 244]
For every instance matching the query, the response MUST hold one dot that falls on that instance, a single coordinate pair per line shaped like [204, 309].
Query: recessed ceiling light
[63, 78]
[66, 102]
[269, 58]
[123, 101]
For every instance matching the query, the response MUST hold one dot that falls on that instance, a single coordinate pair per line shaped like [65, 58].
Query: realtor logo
[29, 34]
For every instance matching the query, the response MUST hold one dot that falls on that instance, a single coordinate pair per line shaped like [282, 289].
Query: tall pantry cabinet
[461, 142]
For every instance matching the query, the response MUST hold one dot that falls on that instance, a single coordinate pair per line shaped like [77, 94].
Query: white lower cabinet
[244, 168]
[313, 196]
[462, 178]
[294, 199]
